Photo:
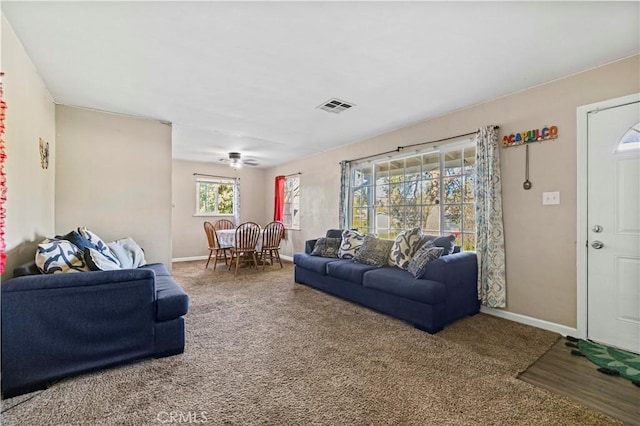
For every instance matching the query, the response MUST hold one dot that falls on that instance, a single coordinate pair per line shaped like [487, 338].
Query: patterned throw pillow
[57, 256]
[351, 242]
[404, 247]
[426, 254]
[97, 261]
[98, 244]
[374, 251]
[327, 247]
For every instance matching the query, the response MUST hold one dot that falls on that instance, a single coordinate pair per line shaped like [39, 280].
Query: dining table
[227, 238]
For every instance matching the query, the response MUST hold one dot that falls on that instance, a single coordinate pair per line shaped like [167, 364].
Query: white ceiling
[234, 76]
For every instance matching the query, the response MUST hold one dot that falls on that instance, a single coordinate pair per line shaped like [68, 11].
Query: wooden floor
[578, 379]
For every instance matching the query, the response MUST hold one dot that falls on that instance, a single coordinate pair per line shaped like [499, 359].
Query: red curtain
[278, 208]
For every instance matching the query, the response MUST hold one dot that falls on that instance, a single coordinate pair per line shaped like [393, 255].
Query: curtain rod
[400, 148]
[214, 176]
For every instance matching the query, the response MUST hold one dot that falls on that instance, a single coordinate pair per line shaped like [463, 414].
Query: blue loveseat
[58, 325]
[446, 293]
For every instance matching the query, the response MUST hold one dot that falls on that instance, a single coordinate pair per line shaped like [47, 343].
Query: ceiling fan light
[235, 163]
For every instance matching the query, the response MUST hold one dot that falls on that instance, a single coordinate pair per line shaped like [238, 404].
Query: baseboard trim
[287, 258]
[535, 322]
[189, 259]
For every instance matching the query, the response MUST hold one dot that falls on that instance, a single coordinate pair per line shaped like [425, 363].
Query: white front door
[613, 219]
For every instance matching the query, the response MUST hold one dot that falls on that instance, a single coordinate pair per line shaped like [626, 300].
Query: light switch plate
[550, 198]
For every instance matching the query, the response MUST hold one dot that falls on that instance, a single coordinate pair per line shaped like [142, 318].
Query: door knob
[597, 244]
[596, 228]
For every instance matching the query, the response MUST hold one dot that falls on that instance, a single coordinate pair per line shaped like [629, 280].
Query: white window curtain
[236, 202]
[489, 224]
[345, 178]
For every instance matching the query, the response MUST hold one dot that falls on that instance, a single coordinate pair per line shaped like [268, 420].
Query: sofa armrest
[459, 274]
[60, 324]
[309, 245]
[458, 267]
[463, 265]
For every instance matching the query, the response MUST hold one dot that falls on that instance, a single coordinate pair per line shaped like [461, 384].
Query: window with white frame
[432, 189]
[215, 197]
[291, 214]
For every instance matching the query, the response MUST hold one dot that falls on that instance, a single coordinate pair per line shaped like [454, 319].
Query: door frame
[582, 235]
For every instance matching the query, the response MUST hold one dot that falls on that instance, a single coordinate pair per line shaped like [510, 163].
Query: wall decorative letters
[538, 135]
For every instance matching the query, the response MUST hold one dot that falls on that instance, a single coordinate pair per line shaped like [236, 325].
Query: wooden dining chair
[214, 246]
[247, 235]
[224, 224]
[271, 238]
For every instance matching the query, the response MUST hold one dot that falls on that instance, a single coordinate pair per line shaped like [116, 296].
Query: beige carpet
[264, 350]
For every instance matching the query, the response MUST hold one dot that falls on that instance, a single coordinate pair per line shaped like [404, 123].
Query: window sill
[212, 215]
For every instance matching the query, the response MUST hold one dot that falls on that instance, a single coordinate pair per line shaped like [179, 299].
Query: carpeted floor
[264, 350]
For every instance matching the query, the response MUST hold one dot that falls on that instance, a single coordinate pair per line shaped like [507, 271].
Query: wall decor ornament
[44, 154]
[537, 135]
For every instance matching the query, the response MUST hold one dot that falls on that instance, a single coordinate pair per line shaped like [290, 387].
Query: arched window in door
[630, 141]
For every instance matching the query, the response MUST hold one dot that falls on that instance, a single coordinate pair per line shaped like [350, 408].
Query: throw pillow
[57, 256]
[404, 247]
[98, 244]
[128, 252]
[97, 261]
[351, 242]
[74, 237]
[374, 251]
[425, 255]
[447, 242]
[327, 247]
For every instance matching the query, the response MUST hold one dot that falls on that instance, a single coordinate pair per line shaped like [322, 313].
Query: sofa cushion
[348, 270]
[425, 255]
[171, 301]
[158, 268]
[351, 242]
[404, 247]
[401, 283]
[326, 247]
[313, 263]
[58, 256]
[374, 251]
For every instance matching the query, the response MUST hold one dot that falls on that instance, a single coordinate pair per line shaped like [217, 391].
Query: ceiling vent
[335, 106]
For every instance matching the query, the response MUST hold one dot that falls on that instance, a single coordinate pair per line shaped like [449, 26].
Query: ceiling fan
[235, 160]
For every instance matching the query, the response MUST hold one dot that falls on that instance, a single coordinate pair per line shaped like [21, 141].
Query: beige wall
[540, 240]
[114, 177]
[188, 233]
[30, 189]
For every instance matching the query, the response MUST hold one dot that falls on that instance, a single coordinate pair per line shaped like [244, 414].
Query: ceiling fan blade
[250, 162]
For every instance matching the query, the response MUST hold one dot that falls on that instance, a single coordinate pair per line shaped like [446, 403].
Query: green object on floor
[625, 363]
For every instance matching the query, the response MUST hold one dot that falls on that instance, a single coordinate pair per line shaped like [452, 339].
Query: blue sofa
[58, 325]
[446, 293]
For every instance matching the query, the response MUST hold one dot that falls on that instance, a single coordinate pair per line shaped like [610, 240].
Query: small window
[215, 197]
[291, 217]
[630, 141]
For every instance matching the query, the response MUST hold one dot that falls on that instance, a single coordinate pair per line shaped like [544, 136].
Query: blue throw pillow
[447, 242]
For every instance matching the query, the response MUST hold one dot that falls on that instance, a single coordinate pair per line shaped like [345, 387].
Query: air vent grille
[335, 106]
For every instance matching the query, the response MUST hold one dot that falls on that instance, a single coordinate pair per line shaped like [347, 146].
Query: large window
[215, 197]
[433, 190]
[291, 214]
